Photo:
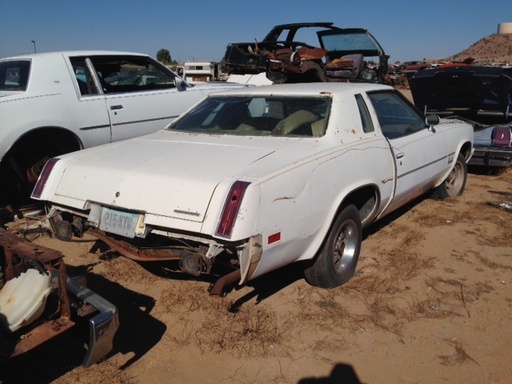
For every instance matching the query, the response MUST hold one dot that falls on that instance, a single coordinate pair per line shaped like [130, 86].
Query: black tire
[455, 183]
[337, 260]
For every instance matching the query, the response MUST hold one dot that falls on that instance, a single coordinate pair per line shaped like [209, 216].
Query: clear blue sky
[201, 29]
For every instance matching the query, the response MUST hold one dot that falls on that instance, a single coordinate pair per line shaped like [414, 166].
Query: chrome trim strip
[423, 166]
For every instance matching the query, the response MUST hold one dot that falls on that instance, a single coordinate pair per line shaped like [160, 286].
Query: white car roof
[313, 89]
[73, 53]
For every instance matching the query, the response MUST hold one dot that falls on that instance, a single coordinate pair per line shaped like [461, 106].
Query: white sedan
[260, 178]
[59, 102]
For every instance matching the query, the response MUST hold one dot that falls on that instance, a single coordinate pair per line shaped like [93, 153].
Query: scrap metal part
[19, 255]
[191, 261]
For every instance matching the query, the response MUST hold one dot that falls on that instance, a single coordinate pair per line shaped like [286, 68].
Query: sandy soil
[430, 303]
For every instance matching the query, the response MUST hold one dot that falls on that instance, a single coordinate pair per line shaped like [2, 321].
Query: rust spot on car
[285, 198]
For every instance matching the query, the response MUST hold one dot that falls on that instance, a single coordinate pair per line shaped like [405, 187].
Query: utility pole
[34, 43]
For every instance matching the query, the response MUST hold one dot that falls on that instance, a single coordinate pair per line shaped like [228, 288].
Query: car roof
[74, 53]
[305, 89]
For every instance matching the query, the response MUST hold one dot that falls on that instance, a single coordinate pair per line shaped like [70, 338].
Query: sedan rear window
[258, 116]
[14, 75]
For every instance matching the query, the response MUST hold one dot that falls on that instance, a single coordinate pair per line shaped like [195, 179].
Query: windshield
[349, 42]
[258, 116]
[14, 75]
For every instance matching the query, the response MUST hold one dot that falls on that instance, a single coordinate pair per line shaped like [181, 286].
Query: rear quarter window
[14, 75]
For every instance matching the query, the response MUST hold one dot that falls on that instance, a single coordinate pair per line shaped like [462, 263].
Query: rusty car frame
[343, 54]
[70, 302]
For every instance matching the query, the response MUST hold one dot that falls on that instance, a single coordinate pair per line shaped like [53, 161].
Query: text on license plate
[119, 222]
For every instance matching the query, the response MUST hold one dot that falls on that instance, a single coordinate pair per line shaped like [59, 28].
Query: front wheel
[337, 260]
[455, 183]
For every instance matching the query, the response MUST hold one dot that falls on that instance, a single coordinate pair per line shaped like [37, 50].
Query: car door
[88, 114]
[420, 152]
[140, 94]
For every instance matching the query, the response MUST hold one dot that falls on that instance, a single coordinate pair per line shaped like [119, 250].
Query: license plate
[119, 222]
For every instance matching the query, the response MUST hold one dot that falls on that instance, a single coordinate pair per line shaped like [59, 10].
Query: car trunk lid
[168, 173]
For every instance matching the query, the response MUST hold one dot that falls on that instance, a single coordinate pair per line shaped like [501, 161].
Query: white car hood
[167, 172]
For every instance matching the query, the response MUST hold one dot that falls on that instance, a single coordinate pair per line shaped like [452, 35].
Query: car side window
[83, 77]
[14, 75]
[366, 120]
[121, 74]
[396, 116]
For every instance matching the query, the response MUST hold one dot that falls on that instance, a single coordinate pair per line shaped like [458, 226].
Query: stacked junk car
[482, 95]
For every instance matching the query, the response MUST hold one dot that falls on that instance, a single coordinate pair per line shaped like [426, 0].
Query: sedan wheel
[337, 260]
[455, 183]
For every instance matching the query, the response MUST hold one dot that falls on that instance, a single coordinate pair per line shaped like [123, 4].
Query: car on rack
[340, 54]
[258, 178]
[59, 102]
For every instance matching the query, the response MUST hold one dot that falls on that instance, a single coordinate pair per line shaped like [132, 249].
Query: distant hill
[489, 50]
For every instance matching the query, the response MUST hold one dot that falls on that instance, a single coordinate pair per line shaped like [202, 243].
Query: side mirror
[432, 120]
[181, 85]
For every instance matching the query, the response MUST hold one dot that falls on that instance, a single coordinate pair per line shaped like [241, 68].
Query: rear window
[258, 116]
[14, 75]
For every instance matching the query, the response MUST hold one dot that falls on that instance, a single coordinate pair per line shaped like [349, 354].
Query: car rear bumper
[492, 156]
[102, 327]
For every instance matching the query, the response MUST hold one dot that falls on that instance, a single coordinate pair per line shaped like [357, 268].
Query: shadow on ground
[341, 374]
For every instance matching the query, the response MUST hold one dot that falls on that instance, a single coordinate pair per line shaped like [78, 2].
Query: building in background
[200, 71]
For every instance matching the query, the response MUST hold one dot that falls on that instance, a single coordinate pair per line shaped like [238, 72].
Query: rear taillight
[43, 178]
[231, 207]
[501, 136]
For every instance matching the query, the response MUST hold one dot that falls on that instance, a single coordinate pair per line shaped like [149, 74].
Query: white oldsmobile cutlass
[262, 177]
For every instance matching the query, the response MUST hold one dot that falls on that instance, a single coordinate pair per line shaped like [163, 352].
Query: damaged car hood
[181, 174]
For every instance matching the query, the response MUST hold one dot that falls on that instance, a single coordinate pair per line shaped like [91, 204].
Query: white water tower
[504, 28]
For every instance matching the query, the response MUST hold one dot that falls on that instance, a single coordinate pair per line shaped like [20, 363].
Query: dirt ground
[430, 303]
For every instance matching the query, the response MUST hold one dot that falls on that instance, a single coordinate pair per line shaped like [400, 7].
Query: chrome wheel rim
[344, 247]
[454, 180]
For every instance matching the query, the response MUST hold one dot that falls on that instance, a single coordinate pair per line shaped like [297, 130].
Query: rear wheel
[337, 260]
[21, 166]
[455, 183]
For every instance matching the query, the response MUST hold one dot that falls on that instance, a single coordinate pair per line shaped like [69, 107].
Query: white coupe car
[55, 103]
[260, 178]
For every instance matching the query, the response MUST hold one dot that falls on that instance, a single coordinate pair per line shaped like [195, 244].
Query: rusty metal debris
[17, 255]
[217, 289]
[506, 205]
[191, 261]
[138, 254]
